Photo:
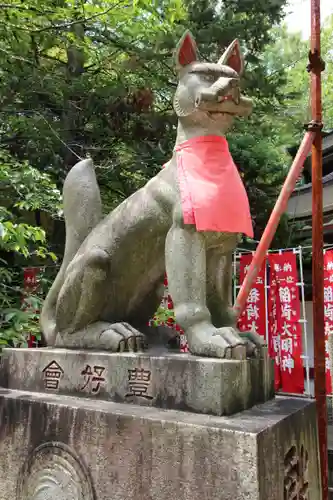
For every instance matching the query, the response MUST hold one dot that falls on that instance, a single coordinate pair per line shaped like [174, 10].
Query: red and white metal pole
[316, 66]
[273, 222]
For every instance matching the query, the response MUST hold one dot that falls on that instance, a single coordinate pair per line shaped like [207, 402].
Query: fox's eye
[209, 78]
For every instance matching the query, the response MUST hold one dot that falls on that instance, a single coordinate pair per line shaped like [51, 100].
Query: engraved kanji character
[52, 375]
[139, 381]
[93, 378]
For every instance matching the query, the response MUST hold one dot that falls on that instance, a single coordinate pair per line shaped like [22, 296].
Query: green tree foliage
[24, 193]
[327, 54]
[97, 79]
[287, 55]
[77, 80]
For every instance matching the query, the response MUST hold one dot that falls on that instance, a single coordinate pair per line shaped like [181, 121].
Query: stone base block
[56, 447]
[176, 381]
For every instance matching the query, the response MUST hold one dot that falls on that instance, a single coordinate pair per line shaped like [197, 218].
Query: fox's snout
[224, 95]
[222, 89]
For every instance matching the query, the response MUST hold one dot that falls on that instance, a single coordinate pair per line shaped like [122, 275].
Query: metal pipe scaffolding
[316, 66]
[312, 138]
[273, 222]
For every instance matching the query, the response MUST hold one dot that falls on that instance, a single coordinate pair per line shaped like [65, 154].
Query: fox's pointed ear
[233, 58]
[186, 51]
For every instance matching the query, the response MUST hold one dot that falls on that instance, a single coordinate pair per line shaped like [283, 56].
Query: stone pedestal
[173, 381]
[62, 442]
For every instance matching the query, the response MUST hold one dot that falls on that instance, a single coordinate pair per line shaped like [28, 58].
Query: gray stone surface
[123, 452]
[178, 381]
[109, 284]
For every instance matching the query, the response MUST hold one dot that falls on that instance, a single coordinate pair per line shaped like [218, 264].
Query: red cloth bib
[212, 192]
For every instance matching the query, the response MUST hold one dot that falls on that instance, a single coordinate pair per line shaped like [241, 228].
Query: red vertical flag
[30, 282]
[30, 285]
[328, 310]
[285, 327]
[254, 316]
[274, 340]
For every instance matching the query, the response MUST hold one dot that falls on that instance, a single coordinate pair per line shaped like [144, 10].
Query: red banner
[30, 282]
[328, 311]
[274, 343]
[30, 285]
[285, 329]
[254, 317]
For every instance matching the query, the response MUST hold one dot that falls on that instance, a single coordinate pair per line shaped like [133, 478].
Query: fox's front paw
[206, 340]
[255, 344]
[226, 342]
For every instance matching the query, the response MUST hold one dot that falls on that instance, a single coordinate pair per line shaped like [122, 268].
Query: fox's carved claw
[226, 342]
[114, 337]
[206, 340]
[255, 344]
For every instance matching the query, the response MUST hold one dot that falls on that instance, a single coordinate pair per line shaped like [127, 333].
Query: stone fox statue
[185, 221]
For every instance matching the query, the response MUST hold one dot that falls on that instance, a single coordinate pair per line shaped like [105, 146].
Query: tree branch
[18, 58]
[45, 56]
[77, 21]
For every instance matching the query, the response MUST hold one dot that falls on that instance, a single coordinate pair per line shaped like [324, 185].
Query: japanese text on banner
[274, 342]
[30, 285]
[254, 317]
[328, 311]
[285, 328]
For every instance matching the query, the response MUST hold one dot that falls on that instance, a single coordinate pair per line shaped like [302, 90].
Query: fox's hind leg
[79, 306]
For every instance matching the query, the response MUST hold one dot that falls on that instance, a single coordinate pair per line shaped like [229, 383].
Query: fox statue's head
[208, 94]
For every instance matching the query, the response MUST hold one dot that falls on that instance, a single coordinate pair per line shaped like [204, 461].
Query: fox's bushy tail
[82, 212]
